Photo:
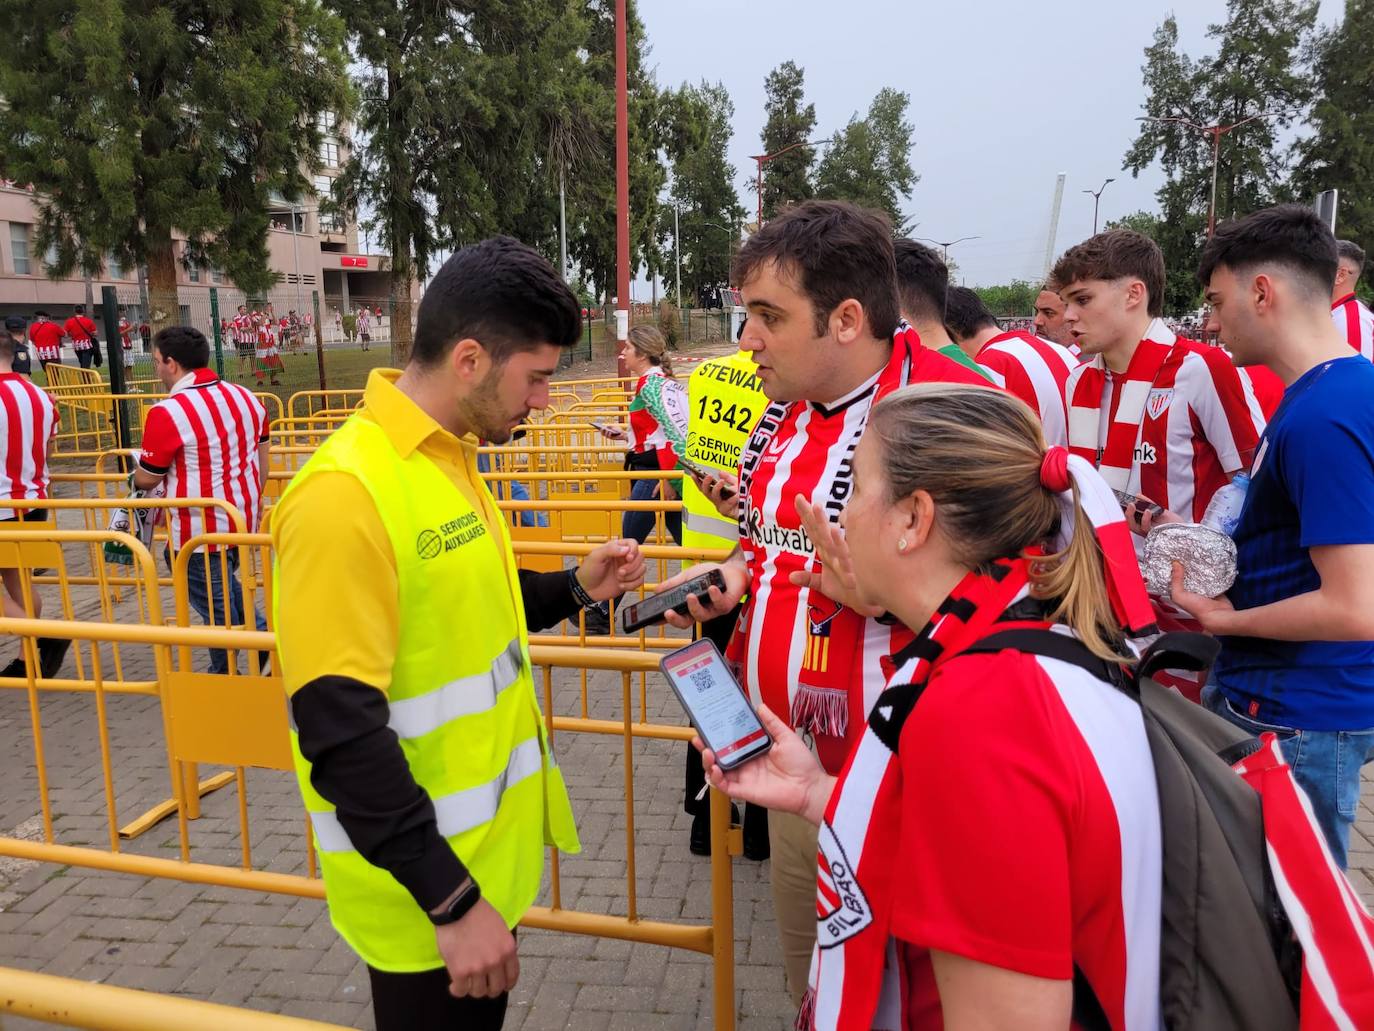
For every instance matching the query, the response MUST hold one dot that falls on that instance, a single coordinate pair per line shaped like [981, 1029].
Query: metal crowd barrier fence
[106, 1007]
[252, 734]
[91, 416]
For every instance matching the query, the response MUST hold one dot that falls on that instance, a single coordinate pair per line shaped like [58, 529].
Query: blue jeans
[638, 525]
[202, 594]
[1326, 764]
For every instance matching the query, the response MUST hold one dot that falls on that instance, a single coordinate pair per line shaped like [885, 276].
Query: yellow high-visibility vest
[462, 702]
[725, 400]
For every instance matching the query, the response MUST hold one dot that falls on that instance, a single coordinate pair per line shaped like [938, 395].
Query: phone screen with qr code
[716, 704]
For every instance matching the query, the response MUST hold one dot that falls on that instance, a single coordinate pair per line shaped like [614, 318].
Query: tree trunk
[401, 306]
[163, 306]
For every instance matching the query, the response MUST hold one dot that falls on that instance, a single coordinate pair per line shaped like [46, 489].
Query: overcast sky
[1004, 96]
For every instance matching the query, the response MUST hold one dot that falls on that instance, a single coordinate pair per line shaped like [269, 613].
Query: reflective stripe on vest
[456, 813]
[465, 696]
[712, 525]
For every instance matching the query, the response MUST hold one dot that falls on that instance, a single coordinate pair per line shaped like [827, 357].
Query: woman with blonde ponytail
[981, 850]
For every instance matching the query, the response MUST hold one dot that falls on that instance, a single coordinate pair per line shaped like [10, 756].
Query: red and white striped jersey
[1057, 762]
[204, 439]
[798, 651]
[30, 421]
[1357, 323]
[1034, 369]
[1173, 427]
[242, 330]
[46, 338]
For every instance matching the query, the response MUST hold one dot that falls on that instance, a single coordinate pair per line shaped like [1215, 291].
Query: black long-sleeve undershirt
[356, 764]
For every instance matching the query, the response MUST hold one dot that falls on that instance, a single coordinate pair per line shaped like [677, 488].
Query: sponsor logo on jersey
[767, 534]
[1145, 454]
[841, 906]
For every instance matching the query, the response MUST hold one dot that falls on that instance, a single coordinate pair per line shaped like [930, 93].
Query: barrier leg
[725, 842]
[191, 788]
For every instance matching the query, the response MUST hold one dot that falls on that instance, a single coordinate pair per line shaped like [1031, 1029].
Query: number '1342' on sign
[737, 416]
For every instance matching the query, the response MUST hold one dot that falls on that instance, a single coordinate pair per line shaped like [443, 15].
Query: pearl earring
[901, 544]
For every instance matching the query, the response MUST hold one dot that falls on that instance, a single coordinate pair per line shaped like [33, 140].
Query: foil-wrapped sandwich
[1208, 557]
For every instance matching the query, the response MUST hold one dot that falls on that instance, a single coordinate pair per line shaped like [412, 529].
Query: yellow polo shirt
[336, 573]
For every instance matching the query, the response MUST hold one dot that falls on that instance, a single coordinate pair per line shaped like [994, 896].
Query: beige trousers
[792, 842]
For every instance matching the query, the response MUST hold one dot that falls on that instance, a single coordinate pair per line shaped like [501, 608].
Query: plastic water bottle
[1223, 511]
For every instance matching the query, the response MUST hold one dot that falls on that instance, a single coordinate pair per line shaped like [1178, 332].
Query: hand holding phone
[653, 608]
[716, 704]
[609, 431]
[706, 477]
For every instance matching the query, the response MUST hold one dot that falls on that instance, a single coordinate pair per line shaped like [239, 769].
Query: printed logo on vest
[428, 544]
[1158, 403]
[843, 907]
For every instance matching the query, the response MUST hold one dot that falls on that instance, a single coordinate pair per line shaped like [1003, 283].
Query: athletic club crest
[1158, 402]
[842, 910]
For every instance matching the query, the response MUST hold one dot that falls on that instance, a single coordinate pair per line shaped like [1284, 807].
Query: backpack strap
[1191, 652]
[1057, 646]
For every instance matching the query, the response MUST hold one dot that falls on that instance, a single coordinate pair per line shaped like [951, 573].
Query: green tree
[1256, 70]
[136, 120]
[869, 161]
[1340, 152]
[696, 123]
[786, 179]
[1014, 298]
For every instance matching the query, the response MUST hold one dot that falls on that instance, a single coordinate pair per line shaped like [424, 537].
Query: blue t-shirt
[1312, 484]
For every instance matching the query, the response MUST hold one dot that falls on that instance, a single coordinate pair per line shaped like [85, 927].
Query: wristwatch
[467, 896]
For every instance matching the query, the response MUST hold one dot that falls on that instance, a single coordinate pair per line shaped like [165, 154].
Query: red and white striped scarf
[855, 981]
[1330, 921]
[1090, 409]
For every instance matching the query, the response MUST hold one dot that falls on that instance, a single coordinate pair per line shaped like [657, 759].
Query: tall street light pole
[1216, 132]
[945, 245]
[622, 186]
[762, 159]
[1097, 196]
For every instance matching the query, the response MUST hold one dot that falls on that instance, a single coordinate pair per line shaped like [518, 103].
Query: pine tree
[1340, 153]
[134, 119]
[869, 160]
[787, 179]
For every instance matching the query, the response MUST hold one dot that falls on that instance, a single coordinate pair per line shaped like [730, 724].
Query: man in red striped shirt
[28, 422]
[208, 440]
[46, 337]
[820, 285]
[1033, 369]
[81, 331]
[1348, 312]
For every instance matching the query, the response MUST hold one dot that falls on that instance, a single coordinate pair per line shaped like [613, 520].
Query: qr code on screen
[701, 680]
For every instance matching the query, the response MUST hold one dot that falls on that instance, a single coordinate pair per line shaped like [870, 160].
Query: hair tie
[1054, 470]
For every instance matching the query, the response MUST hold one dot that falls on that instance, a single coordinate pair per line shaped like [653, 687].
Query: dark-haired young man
[80, 329]
[419, 744]
[207, 440]
[820, 285]
[1032, 368]
[1348, 312]
[1297, 628]
[922, 287]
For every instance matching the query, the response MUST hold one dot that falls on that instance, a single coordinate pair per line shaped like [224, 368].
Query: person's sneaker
[51, 652]
[699, 844]
[598, 622]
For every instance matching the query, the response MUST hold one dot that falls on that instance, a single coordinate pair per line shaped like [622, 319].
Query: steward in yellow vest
[402, 632]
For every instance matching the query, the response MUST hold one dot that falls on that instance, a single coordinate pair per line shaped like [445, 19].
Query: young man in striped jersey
[922, 288]
[209, 439]
[1033, 369]
[820, 286]
[1348, 312]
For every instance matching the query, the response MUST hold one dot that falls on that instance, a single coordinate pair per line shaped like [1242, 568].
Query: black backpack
[1228, 956]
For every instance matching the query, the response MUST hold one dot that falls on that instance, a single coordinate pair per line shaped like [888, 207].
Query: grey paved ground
[280, 954]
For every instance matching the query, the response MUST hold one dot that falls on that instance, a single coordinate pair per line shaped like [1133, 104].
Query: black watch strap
[468, 896]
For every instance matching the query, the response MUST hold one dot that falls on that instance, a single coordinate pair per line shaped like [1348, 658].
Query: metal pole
[296, 250]
[677, 253]
[319, 336]
[1096, 198]
[214, 326]
[758, 188]
[622, 184]
[562, 228]
[110, 315]
[1212, 208]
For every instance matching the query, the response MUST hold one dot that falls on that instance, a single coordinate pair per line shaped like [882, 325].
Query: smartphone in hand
[716, 704]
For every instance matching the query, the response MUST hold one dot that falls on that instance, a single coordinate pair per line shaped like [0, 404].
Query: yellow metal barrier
[105, 1007]
[90, 414]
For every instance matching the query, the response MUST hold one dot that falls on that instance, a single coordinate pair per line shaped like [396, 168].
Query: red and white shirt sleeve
[29, 422]
[1356, 321]
[1030, 834]
[1223, 404]
[1035, 370]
